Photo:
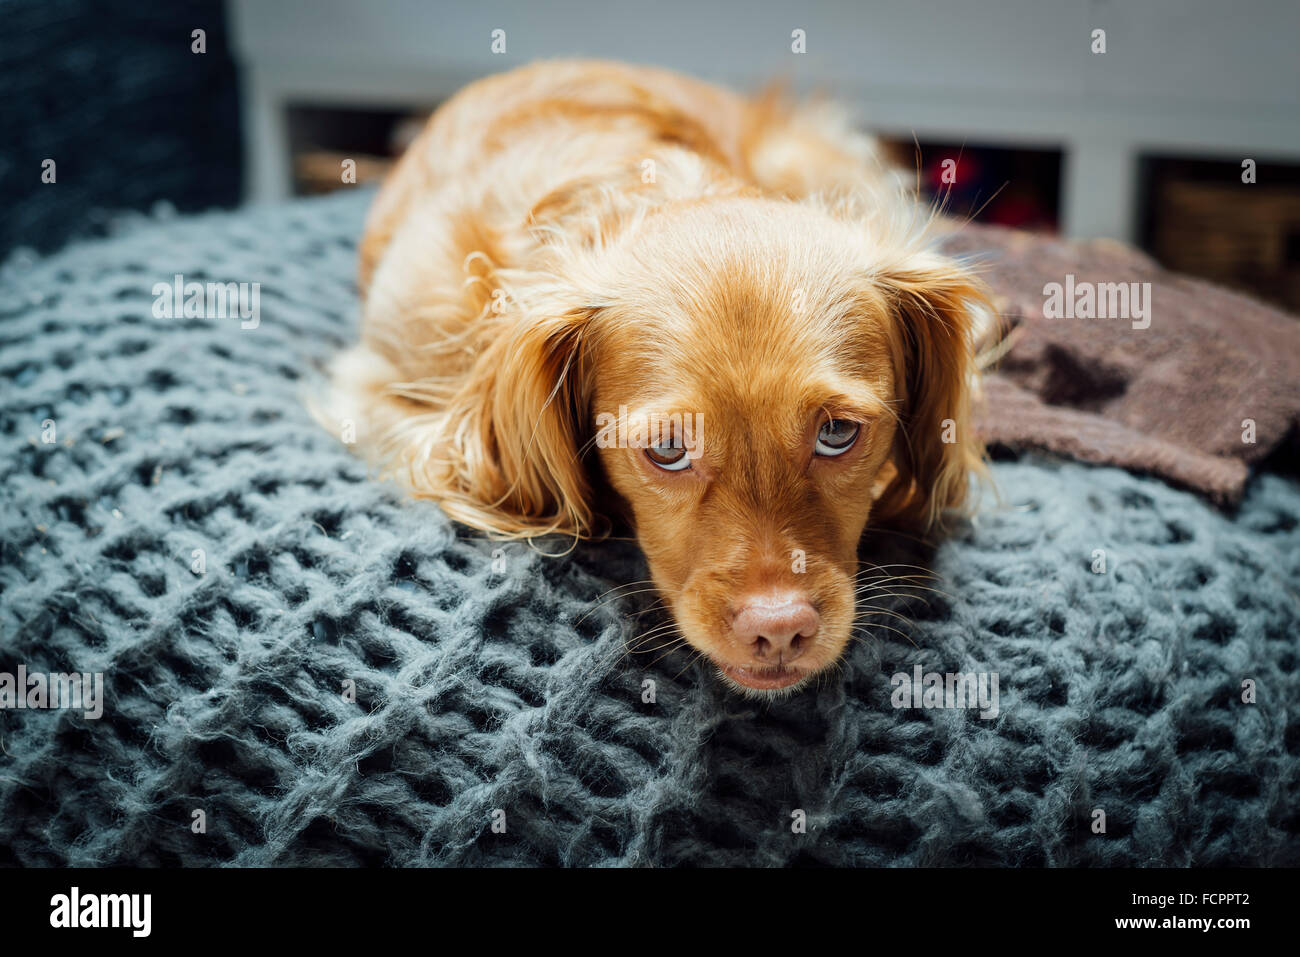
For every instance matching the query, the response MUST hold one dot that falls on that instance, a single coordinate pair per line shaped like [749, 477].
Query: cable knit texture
[480, 687]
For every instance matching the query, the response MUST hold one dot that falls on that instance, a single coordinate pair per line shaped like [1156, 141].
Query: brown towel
[1171, 399]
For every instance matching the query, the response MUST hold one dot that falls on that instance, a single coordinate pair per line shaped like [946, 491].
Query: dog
[596, 292]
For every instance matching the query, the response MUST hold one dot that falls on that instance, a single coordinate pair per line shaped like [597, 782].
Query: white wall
[1201, 77]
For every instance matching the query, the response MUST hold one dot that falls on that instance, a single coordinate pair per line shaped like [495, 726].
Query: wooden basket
[1241, 235]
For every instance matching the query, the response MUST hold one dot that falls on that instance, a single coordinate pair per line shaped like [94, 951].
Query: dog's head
[754, 379]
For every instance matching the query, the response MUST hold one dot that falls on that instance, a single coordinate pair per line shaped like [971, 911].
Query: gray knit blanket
[301, 667]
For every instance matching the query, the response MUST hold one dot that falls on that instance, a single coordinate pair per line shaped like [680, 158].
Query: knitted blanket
[1127, 364]
[301, 667]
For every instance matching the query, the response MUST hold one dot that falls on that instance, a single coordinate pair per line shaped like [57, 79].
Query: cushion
[1110, 359]
[300, 666]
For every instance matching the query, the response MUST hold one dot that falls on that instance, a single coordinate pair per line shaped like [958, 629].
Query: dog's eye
[668, 455]
[837, 436]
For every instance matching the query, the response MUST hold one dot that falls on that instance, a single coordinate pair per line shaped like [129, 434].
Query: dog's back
[561, 145]
[511, 174]
[506, 143]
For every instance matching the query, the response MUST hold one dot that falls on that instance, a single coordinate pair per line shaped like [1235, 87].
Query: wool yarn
[323, 672]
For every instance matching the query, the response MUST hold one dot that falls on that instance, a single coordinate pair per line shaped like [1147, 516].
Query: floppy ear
[504, 454]
[938, 307]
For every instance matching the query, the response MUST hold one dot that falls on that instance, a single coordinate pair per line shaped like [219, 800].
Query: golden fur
[578, 238]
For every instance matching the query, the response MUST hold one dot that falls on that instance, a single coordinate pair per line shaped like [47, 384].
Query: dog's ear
[937, 307]
[504, 455]
[524, 440]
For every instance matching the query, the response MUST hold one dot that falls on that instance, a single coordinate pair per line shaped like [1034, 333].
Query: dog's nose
[779, 628]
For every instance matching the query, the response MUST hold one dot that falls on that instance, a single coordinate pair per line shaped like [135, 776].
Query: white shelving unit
[1197, 78]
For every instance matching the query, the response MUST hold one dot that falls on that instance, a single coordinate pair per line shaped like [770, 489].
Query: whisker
[657, 606]
[635, 645]
[927, 572]
[673, 647]
[897, 632]
[609, 601]
[610, 591]
[882, 574]
[869, 594]
[669, 645]
[877, 592]
[638, 643]
[877, 610]
[917, 581]
[690, 661]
